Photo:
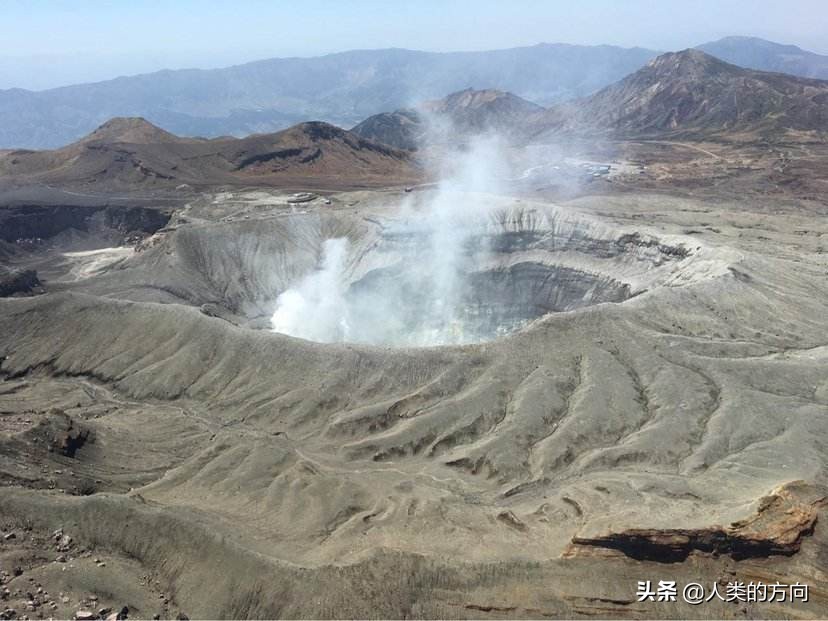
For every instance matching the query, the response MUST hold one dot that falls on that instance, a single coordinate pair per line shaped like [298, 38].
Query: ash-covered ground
[520, 410]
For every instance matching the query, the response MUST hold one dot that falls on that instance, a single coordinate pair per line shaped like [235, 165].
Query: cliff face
[781, 520]
[15, 283]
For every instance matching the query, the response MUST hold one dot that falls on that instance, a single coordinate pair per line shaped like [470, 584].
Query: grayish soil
[229, 471]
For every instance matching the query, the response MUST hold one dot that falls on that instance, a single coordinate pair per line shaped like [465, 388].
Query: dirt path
[688, 146]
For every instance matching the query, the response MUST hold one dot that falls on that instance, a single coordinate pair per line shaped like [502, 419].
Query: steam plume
[420, 300]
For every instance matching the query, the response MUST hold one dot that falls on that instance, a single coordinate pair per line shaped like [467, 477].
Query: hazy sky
[51, 43]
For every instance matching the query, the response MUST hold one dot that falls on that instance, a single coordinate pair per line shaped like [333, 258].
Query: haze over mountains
[687, 95]
[343, 88]
[755, 53]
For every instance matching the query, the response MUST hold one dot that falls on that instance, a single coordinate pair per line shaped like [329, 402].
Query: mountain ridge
[132, 152]
[764, 55]
[135, 130]
[270, 94]
[449, 119]
[691, 94]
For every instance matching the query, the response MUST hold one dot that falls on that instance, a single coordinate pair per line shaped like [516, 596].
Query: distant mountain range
[128, 153]
[345, 88]
[754, 53]
[689, 95]
[340, 88]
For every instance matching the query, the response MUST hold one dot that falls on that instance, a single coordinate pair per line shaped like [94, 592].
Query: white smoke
[455, 213]
[316, 308]
[420, 302]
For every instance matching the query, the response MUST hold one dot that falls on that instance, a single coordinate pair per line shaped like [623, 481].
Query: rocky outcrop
[781, 521]
[31, 224]
[70, 441]
[15, 283]
[402, 129]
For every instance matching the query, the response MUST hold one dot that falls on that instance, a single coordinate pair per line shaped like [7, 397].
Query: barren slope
[693, 95]
[453, 118]
[127, 154]
[350, 480]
